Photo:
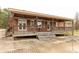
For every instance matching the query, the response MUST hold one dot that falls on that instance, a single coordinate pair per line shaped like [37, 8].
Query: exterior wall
[56, 25]
[15, 23]
[60, 24]
[35, 28]
[30, 28]
[66, 25]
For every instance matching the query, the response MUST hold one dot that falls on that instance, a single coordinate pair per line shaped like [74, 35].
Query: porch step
[45, 35]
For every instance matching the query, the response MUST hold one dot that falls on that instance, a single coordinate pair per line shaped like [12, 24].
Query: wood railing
[30, 29]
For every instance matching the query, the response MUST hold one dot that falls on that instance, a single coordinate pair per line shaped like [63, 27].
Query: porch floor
[38, 35]
[24, 35]
[19, 36]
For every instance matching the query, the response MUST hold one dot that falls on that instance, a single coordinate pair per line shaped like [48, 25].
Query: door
[22, 24]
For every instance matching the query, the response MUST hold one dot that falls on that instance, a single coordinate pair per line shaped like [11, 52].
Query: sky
[65, 8]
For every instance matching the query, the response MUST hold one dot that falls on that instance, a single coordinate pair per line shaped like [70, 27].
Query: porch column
[58, 28]
[36, 27]
[53, 25]
[64, 26]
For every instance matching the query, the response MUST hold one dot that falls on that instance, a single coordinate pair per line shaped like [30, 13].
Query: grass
[76, 33]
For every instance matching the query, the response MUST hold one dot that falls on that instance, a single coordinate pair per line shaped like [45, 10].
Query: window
[24, 25]
[68, 24]
[21, 24]
[39, 24]
[32, 23]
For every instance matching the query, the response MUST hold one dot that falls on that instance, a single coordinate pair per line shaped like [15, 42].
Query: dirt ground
[55, 45]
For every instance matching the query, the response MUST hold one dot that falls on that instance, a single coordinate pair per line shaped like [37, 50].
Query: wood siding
[48, 25]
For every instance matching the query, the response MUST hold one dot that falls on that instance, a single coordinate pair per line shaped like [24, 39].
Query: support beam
[64, 26]
[72, 27]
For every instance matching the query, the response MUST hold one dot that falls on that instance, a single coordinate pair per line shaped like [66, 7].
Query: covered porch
[33, 26]
[26, 23]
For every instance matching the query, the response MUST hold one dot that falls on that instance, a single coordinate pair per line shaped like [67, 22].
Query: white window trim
[20, 20]
[39, 25]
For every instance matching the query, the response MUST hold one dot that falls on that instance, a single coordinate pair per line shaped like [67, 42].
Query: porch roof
[24, 12]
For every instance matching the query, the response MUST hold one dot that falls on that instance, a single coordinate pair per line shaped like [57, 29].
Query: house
[27, 23]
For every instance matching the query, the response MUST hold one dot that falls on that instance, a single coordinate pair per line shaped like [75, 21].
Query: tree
[3, 18]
